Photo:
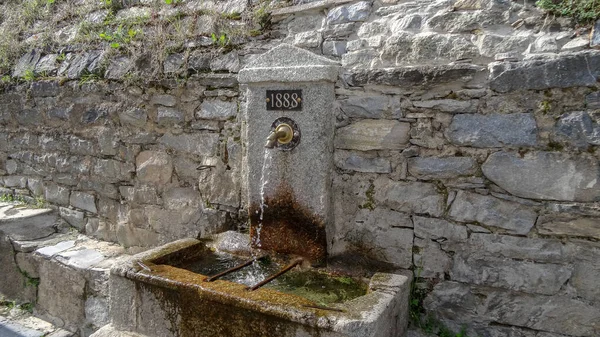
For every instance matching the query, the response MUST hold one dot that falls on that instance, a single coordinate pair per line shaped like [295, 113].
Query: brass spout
[283, 134]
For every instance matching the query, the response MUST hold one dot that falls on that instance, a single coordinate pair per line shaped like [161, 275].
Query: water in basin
[314, 284]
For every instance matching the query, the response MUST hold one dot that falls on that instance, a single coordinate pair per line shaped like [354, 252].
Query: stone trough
[151, 297]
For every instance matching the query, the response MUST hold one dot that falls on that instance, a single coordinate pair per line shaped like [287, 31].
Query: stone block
[15, 181]
[509, 216]
[483, 245]
[173, 63]
[382, 235]
[311, 39]
[370, 107]
[352, 161]
[154, 167]
[409, 197]
[113, 171]
[83, 201]
[73, 217]
[408, 49]
[56, 194]
[164, 100]
[334, 48]
[118, 67]
[349, 13]
[578, 129]
[134, 116]
[27, 62]
[216, 109]
[417, 76]
[28, 264]
[429, 168]
[572, 227]
[220, 186]
[569, 70]
[229, 62]
[529, 277]
[431, 260]
[544, 176]
[169, 116]
[45, 89]
[97, 311]
[197, 144]
[80, 259]
[372, 134]
[439, 230]
[557, 314]
[143, 194]
[495, 130]
[448, 105]
[61, 295]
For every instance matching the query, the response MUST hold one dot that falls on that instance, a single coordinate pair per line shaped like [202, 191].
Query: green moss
[370, 194]
[582, 11]
[555, 146]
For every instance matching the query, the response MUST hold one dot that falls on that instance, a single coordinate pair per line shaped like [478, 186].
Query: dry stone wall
[465, 147]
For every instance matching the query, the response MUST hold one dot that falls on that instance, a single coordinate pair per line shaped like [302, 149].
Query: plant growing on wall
[583, 11]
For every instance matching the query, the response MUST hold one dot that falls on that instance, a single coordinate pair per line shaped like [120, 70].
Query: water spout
[283, 134]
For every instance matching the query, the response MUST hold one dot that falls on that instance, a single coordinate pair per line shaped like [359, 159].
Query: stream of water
[264, 180]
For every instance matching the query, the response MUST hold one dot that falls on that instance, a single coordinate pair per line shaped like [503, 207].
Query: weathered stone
[370, 107]
[518, 248]
[169, 116]
[97, 311]
[490, 211]
[448, 105]
[309, 39]
[334, 48]
[412, 76]
[428, 168]
[143, 194]
[56, 194]
[93, 115]
[107, 141]
[366, 58]
[80, 258]
[47, 65]
[559, 314]
[73, 217]
[536, 278]
[339, 31]
[545, 176]
[135, 116]
[83, 201]
[439, 230]
[518, 129]
[26, 63]
[174, 63]
[154, 167]
[356, 162]
[198, 144]
[217, 109]
[15, 181]
[29, 117]
[579, 129]
[386, 236]
[112, 170]
[415, 49]
[229, 62]
[577, 44]
[61, 295]
[543, 44]
[371, 134]
[118, 68]
[199, 62]
[35, 186]
[220, 186]
[432, 261]
[164, 100]
[572, 227]
[410, 197]
[569, 70]
[592, 100]
[349, 13]
[45, 89]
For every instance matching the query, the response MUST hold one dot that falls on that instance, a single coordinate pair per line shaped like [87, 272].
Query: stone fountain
[288, 129]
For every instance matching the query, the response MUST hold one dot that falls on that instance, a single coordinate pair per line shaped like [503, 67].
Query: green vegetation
[370, 194]
[583, 11]
[418, 316]
[221, 41]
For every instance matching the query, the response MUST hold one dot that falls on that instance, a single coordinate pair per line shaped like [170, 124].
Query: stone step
[110, 331]
[46, 262]
[19, 323]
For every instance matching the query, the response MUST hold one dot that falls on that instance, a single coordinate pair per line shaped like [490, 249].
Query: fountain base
[150, 296]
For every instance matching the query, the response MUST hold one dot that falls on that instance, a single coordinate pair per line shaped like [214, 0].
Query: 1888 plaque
[288, 100]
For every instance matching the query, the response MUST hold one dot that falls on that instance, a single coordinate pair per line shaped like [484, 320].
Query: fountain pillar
[289, 185]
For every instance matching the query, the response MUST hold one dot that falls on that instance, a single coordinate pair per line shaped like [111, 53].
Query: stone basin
[152, 297]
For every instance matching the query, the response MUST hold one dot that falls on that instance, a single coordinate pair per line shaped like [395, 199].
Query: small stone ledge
[312, 6]
[412, 76]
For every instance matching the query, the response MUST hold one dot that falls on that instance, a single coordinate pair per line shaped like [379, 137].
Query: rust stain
[288, 227]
